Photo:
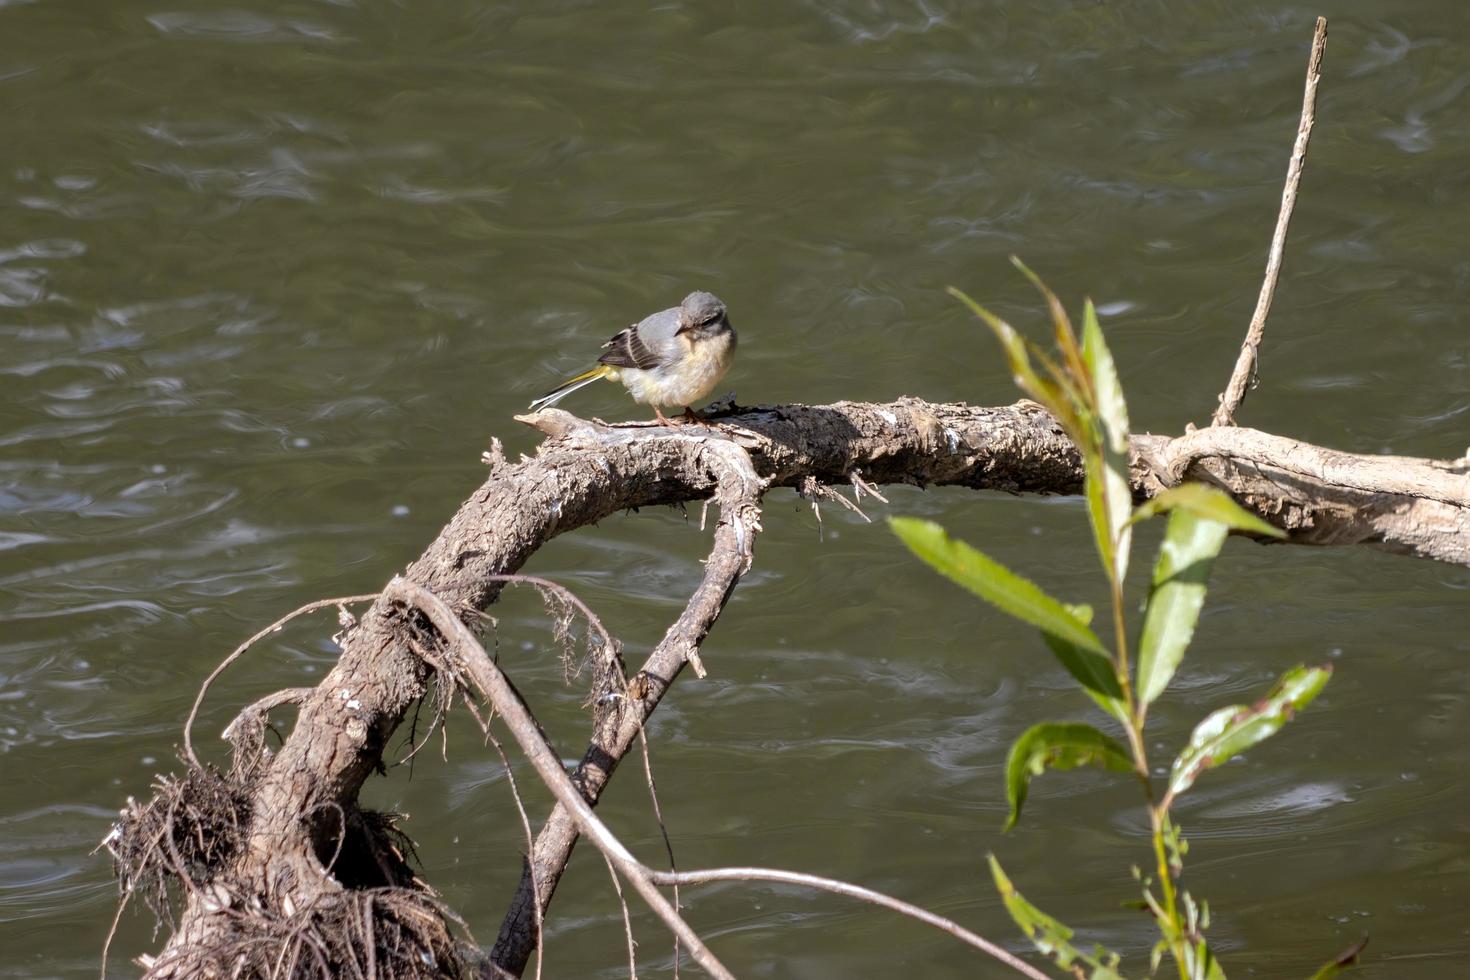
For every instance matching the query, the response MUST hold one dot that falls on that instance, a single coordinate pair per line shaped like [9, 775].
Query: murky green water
[272, 274]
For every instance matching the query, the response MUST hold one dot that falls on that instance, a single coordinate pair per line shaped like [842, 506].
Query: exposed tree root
[180, 848]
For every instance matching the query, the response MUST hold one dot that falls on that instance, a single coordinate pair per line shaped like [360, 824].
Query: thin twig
[563, 592]
[240, 651]
[851, 891]
[259, 710]
[112, 932]
[627, 921]
[493, 685]
[510, 777]
[861, 486]
[1243, 378]
[663, 829]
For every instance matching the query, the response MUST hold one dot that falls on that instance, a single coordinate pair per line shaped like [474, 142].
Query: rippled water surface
[273, 273]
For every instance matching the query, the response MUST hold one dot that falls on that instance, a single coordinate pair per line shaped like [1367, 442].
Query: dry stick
[111, 934]
[240, 651]
[851, 891]
[738, 493]
[595, 623]
[627, 921]
[607, 640]
[1245, 364]
[492, 683]
[662, 829]
[525, 825]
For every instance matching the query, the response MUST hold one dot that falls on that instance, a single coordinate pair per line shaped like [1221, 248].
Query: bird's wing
[644, 345]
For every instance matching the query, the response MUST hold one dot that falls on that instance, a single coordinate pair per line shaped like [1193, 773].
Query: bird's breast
[688, 377]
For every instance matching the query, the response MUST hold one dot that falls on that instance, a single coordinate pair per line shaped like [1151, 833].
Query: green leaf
[1114, 492]
[1057, 745]
[1343, 960]
[1051, 937]
[1200, 961]
[993, 582]
[1189, 549]
[1204, 965]
[1094, 672]
[1062, 326]
[1207, 502]
[1050, 394]
[1228, 732]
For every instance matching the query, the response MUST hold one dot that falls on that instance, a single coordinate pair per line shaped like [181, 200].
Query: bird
[671, 358]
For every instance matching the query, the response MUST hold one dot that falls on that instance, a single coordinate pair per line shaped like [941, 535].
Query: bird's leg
[690, 415]
[662, 418]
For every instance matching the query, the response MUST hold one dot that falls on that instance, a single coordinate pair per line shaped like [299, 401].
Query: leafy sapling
[1079, 386]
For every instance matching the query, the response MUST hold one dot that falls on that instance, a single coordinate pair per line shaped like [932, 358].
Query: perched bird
[673, 358]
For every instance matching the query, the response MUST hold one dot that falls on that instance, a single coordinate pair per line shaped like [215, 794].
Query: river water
[273, 273]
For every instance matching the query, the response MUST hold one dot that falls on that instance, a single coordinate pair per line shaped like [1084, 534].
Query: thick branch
[586, 472]
[1400, 504]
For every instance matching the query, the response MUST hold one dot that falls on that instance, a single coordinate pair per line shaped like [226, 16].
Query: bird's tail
[567, 387]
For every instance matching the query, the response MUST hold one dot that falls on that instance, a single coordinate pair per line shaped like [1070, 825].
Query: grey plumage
[653, 341]
[674, 356]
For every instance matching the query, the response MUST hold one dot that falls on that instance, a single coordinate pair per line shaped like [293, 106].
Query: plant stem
[1120, 667]
[1158, 818]
[1157, 813]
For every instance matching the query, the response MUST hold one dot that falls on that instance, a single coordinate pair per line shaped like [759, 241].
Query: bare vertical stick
[1245, 365]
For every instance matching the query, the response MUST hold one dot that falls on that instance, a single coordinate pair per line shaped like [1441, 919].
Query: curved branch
[588, 471]
[1399, 504]
[705, 876]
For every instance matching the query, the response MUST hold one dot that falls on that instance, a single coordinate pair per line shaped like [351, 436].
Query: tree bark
[299, 800]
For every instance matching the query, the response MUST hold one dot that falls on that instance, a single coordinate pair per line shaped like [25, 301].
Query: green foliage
[1049, 936]
[993, 582]
[1065, 631]
[1094, 671]
[1053, 745]
[1208, 503]
[1178, 593]
[1228, 732]
[1113, 494]
[1079, 386]
[1342, 961]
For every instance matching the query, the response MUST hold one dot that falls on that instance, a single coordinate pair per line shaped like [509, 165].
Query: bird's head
[702, 315]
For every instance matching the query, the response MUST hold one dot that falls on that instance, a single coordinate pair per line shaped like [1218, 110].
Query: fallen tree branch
[1243, 378]
[586, 472]
[1399, 504]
